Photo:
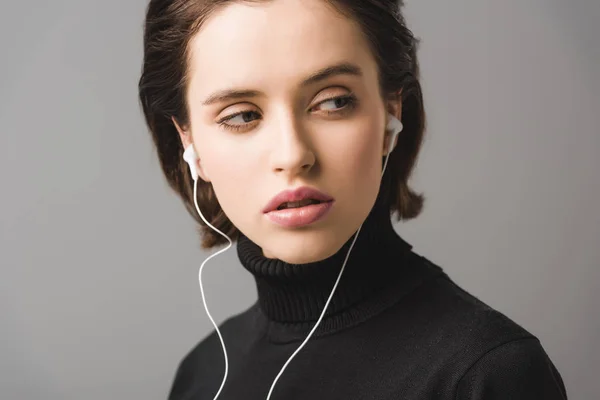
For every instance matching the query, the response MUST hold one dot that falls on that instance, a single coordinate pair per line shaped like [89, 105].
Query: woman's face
[285, 130]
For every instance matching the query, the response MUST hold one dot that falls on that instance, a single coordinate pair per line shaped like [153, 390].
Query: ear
[186, 139]
[393, 106]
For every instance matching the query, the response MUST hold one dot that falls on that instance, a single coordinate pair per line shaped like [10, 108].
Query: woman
[293, 97]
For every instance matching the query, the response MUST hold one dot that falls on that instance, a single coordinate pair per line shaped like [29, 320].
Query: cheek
[362, 155]
[230, 171]
[361, 170]
[234, 177]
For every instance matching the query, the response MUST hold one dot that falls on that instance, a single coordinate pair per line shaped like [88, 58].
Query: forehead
[273, 45]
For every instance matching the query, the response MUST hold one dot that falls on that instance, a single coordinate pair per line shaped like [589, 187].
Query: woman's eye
[338, 104]
[243, 118]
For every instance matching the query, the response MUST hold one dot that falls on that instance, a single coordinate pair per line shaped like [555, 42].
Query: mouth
[300, 213]
[298, 204]
[301, 197]
[295, 208]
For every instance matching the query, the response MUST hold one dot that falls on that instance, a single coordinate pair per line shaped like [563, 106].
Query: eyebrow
[344, 68]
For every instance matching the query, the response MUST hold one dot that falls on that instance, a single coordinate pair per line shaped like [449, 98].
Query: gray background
[99, 260]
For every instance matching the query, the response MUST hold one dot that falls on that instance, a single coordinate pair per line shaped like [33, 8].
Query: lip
[301, 193]
[302, 216]
[296, 217]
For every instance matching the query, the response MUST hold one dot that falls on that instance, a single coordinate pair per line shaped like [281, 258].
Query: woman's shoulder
[231, 329]
[465, 342]
[457, 309]
[441, 314]
[203, 363]
[486, 347]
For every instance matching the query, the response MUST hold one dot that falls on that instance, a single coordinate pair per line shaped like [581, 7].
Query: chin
[304, 247]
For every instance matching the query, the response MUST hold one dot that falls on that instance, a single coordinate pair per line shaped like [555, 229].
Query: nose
[292, 153]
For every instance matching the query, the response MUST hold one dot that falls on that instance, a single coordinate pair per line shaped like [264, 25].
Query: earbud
[190, 157]
[395, 126]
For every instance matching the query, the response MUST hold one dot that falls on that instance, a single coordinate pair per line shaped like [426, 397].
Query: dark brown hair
[169, 27]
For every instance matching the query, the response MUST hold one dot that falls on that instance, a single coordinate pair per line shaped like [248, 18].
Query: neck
[296, 293]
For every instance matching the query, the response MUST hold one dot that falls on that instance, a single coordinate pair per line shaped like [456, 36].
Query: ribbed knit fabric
[397, 328]
[298, 292]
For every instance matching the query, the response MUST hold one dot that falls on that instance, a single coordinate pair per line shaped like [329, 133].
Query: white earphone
[190, 157]
[395, 126]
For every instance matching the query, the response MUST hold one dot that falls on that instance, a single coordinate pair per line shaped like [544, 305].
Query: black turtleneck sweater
[396, 328]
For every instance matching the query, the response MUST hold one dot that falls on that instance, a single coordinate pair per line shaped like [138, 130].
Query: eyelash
[351, 104]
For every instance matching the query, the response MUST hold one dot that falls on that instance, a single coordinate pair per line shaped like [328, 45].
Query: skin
[290, 135]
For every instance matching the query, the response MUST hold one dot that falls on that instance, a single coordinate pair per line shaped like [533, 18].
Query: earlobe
[386, 151]
[186, 141]
[201, 172]
[393, 107]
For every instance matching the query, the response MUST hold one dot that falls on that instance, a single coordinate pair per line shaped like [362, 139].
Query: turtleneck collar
[297, 293]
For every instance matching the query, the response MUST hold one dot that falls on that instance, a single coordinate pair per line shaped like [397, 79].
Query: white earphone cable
[202, 290]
